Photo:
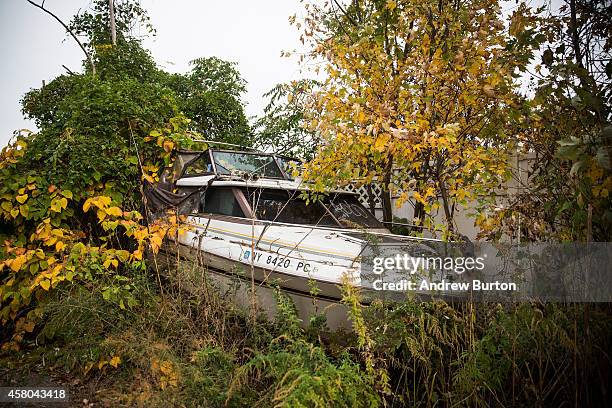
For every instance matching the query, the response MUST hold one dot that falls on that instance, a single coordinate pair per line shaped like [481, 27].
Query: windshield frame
[287, 159]
[272, 158]
[182, 171]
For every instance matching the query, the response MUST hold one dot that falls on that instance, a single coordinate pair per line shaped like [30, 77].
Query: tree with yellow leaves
[418, 97]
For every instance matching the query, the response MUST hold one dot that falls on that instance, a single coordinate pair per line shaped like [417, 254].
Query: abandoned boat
[249, 221]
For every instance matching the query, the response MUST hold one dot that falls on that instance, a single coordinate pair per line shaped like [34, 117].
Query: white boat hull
[309, 264]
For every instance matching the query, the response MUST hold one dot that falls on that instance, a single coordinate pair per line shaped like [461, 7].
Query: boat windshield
[287, 206]
[250, 163]
[347, 209]
[289, 165]
[198, 166]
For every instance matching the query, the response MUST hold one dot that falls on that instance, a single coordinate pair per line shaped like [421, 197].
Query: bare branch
[68, 69]
[346, 14]
[42, 7]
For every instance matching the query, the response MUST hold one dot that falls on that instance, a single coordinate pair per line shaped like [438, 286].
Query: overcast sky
[251, 33]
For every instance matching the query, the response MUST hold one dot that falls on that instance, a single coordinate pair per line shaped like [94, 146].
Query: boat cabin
[250, 185]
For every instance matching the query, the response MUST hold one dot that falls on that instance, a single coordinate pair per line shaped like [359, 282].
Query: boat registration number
[278, 261]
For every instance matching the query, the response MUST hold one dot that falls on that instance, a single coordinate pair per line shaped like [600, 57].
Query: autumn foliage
[54, 239]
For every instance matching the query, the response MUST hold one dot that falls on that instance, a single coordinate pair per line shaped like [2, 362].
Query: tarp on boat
[158, 200]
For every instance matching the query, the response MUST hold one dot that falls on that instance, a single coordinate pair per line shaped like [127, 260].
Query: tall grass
[186, 344]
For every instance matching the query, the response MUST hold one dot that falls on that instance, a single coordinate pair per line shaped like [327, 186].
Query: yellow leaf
[101, 214]
[59, 246]
[123, 255]
[115, 211]
[115, 361]
[418, 197]
[7, 206]
[56, 205]
[17, 263]
[45, 284]
[22, 198]
[156, 242]
[137, 254]
[166, 367]
[23, 209]
[168, 145]
[58, 268]
[380, 144]
[87, 205]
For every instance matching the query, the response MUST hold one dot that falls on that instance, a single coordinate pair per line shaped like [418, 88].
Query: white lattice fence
[363, 195]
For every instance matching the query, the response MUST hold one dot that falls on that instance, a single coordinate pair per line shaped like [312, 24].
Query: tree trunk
[574, 32]
[113, 26]
[445, 204]
[419, 214]
[387, 207]
[386, 194]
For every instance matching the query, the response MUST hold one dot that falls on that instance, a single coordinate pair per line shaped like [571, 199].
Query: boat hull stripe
[277, 243]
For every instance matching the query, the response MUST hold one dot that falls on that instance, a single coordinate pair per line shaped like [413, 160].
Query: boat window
[286, 206]
[351, 213]
[238, 163]
[200, 165]
[220, 201]
[288, 165]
